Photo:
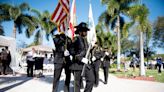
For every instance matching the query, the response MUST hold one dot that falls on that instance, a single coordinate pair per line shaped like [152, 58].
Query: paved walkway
[21, 83]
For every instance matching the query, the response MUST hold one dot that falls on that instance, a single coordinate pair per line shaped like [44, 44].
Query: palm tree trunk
[41, 37]
[142, 68]
[14, 31]
[118, 43]
[1, 30]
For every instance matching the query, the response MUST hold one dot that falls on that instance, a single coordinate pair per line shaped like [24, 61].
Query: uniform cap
[81, 27]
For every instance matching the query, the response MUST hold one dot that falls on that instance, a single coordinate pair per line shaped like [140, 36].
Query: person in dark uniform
[80, 49]
[96, 62]
[68, 63]
[105, 65]
[61, 60]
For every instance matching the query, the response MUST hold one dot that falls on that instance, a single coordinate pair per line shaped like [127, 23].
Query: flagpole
[91, 40]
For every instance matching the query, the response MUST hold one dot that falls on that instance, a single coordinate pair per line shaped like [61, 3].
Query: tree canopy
[158, 33]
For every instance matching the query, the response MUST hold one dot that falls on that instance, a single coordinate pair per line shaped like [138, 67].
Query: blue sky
[82, 7]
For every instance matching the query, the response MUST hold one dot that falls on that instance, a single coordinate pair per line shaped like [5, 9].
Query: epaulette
[54, 36]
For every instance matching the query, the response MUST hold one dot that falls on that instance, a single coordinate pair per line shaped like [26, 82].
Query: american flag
[61, 15]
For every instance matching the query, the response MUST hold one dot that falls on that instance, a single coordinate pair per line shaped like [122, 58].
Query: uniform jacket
[98, 55]
[106, 62]
[62, 43]
[59, 42]
[80, 49]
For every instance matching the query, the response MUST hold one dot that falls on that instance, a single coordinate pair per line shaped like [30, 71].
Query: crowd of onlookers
[39, 62]
[42, 62]
[5, 59]
[156, 63]
[33, 62]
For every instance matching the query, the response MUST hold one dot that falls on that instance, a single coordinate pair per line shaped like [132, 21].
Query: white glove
[93, 58]
[92, 43]
[71, 57]
[106, 53]
[66, 53]
[85, 60]
[102, 59]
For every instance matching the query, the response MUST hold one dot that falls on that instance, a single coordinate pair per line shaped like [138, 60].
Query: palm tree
[100, 35]
[139, 13]
[116, 8]
[105, 19]
[19, 15]
[45, 25]
[106, 39]
[126, 45]
[110, 41]
[158, 33]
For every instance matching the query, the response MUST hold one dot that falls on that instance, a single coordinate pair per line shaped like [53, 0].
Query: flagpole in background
[91, 35]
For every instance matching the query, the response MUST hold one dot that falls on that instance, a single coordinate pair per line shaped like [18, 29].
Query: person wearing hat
[80, 49]
[106, 64]
[61, 60]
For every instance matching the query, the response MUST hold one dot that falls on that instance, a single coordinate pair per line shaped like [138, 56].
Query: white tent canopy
[40, 48]
[11, 44]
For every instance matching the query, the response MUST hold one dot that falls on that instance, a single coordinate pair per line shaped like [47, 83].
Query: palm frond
[122, 22]
[4, 17]
[113, 7]
[5, 7]
[28, 33]
[4, 12]
[24, 7]
[113, 23]
[27, 22]
[24, 21]
[36, 13]
[105, 18]
[126, 28]
[14, 12]
[46, 14]
[104, 1]
[38, 38]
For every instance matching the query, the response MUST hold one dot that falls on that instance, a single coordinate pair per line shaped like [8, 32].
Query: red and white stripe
[72, 21]
[61, 14]
[65, 4]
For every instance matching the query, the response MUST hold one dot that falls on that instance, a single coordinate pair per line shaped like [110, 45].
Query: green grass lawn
[131, 73]
[158, 77]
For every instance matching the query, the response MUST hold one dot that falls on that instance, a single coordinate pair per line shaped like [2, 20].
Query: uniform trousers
[57, 74]
[106, 71]
[30, 65]
[89, 77]
[96, 66]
